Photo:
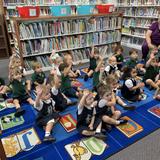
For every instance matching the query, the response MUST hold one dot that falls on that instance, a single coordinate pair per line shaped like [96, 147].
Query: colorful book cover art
[10, 121]
[2, 106]
[131, 128]
[76, 83]
[85, 148]
[22, 141]
[155, 110]
[85, 70]
[68, 122]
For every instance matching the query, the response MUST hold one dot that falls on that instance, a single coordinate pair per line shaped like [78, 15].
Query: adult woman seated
[152, 38]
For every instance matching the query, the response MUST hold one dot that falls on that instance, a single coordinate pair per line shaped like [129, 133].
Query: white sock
[47, 134]
[124, 104]
[117, 122]
[98, 130]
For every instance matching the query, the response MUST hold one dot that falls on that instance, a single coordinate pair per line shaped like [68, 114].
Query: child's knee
[117, 113]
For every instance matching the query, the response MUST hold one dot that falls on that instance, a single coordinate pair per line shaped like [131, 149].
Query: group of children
[96, 111]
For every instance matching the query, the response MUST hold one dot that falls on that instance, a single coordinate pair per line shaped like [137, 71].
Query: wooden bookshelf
[137, 18]
[35, 38]
[3, 39]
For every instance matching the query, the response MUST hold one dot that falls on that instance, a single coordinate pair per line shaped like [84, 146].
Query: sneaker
[19, 112]
[131, 108]
[100, 136]
[72, 103]
[86, 77]
[143, 96]
[49, 139]
[123, 121]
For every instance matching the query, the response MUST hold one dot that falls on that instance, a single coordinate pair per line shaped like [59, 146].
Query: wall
[1, 7]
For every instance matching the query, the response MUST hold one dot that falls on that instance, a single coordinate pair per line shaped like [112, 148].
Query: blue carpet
[116, 140]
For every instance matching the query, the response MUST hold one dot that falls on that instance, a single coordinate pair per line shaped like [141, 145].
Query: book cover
[22, 141]
[131, 128]
[76, 83]
[68, 122]
[10, 121]
[85, 70]
[155, 110]
[2, 106]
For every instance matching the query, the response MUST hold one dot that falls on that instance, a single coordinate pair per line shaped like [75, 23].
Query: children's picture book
[2, 106]
[68, 122]
[155, 110]
[85, 70]
[10, 121]
[76, 83]
[131, 128]
[86, 148]
[22, 141]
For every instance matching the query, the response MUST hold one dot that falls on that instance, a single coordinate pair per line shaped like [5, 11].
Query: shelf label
[63, 11]
[32, 12]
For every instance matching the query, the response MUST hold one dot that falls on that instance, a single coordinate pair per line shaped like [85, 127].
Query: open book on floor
[155, 110]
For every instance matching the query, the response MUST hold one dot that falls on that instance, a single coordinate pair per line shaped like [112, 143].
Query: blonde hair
[45, 89]
[35, 65]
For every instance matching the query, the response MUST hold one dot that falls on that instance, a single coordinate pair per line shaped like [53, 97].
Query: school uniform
[151, 73]
[84, 117]
[60, 101]
[66, 87]
[127, 93]
[38, 77]
[119, 58]
[102, 109]
[92, 63]
[96, 79]
[19, 90]
[132, 63]
[110, 69]
[46, 112]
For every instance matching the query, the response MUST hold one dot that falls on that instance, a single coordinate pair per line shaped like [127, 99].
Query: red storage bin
[106, 8]
[29, 11]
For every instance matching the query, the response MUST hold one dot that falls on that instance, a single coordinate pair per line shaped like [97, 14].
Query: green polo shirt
[96, 78]
[66, 82]
[38, 77]
[18, 88]
[131, 63]
[119, 58]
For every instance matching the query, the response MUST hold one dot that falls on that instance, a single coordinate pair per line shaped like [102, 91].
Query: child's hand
[53, 71]
[39, 92]
[85, 92]
[94, 104]
[141, 84]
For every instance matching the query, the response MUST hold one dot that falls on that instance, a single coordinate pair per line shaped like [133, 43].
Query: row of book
[69, 42]
[134, 31]
[132, 40]
[137, 22]
[54, 2]
[51, 28]
[141, 11]
[78, 56]
[138, 2]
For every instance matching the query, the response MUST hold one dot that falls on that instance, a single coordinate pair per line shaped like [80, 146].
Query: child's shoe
[131, 108]
[49, 139]
[122, 121]
[19, 112]
[100, 136]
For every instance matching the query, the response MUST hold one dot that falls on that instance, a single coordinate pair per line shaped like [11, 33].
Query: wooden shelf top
[19, 19]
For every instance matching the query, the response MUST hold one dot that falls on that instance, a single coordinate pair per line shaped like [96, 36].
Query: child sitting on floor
[94, 56]
[119, 57]
[38, 77]
[69, 60]
[87, 123]
[55, 61]
[20, 90]
[151, 77]
[133, 62]
[131, 90]
[66, 86]
[61, 101]
[106, 110]
[47, 115]
[112, 68]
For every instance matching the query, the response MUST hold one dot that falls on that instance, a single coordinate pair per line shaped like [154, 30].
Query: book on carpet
[68, 122]
[85, 148]
[21, 141]
[76, 83]
[131, 128]
[155, 110]
[9, 121]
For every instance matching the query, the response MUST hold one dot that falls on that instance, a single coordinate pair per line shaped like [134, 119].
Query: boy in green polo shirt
[20, 89]
[66, 86]
[38, 77]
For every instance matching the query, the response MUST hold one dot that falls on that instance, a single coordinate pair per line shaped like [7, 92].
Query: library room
[79, 79]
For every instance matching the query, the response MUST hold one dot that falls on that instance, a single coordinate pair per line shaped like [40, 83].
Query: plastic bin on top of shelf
[105, 8]
[60, 10]
[85, 9]
[29, 11]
